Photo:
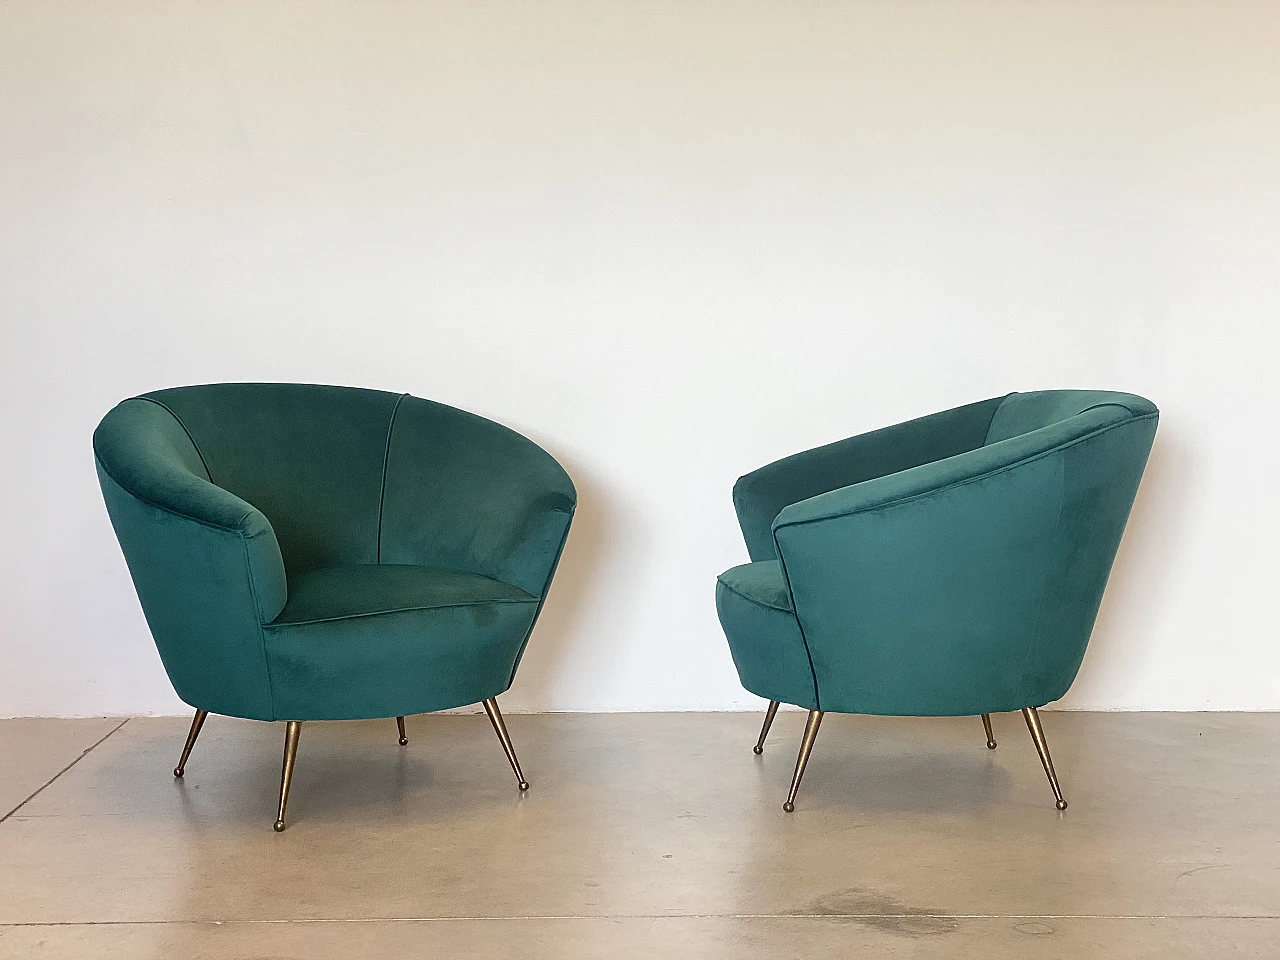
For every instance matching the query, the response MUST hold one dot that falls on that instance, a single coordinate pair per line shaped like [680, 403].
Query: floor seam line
[659, 916]
[49, 783]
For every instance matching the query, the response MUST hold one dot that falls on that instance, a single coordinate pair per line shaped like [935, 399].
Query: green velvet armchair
[952, 565]
[310, 552]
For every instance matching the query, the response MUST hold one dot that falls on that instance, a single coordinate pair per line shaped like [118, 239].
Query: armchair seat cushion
[761, 583]
[764, 635]
[370, 589]
[453, 636]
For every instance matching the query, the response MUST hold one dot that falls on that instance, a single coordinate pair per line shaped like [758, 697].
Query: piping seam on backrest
[795, 612]
[195, 446]
[1108, 403]
[386, 459]
[986, 437]
[963, 481]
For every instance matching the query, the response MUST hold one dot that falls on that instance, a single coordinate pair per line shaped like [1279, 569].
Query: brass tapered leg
[400, 725]
[764, 731]
[806, 748]
[986, 725]
[500, 728]
[196, 723]
[1042, 748]
[291, 734]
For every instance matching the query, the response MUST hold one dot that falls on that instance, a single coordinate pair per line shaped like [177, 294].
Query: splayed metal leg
[291, 734]
[764, 731]
[500, 728]
[400, 725]
[196, 723]
[986, 725]
[806, 748]
[1042, 748]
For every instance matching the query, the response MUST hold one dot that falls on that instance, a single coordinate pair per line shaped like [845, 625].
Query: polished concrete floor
[642, 836]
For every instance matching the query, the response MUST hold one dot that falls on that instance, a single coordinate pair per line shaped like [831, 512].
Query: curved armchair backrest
[216, 491]
[969, 584]
[1020, 413]
[470, 494]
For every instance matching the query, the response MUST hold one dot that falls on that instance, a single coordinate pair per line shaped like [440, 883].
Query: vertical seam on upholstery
[386, 459]
[986, 437]
[795, 612]
[164, 406]
[262, 634]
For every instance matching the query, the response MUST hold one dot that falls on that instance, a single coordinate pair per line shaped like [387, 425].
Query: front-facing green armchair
[327, 553]
[952, 565]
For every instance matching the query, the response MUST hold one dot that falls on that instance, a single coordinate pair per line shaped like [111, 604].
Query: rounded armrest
[935, 475]
[967, 585]
[762, 494]
[145, 449]
[206, 564]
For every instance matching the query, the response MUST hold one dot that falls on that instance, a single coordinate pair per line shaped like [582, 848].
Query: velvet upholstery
[308, 552]
[770, 653]
[946, 566]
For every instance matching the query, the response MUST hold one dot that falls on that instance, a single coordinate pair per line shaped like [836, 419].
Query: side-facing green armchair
[327, 553]
[948, 566]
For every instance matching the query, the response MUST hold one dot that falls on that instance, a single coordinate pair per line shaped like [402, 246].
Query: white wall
[670, 241]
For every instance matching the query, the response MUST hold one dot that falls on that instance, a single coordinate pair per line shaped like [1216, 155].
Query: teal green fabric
[394, 624]
[760, 496]
[308, 552]
[962, 585]
[769, 651]
[372, 589]
[309, 458]
[517, 516]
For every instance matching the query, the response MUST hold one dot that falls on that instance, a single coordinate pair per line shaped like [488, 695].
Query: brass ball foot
[991, 744]
[524, 785]
[279, 826]
[177, 772]
[757, 750]
[404, 741]
[1061, 804]
[789, 807]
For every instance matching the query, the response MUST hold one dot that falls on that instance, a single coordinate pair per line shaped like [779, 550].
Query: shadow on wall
[1124, 634]
[549, 647]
